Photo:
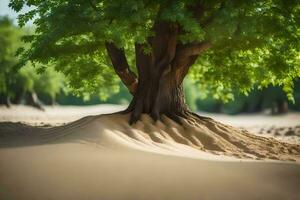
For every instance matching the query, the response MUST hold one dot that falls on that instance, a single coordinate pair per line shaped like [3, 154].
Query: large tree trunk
[158, 94]
[158, 89]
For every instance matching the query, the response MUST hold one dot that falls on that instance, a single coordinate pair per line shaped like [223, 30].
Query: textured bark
[161, 73]
[121, 66]
[158, 89]
[157, 95]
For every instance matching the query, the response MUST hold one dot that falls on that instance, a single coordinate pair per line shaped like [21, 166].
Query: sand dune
[102, 157]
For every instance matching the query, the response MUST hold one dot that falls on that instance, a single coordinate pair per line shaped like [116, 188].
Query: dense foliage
[15, 83]
[9, 42]
[254, 43]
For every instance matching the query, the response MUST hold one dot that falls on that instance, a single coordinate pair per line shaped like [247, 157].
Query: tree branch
[171, 44]
[184, 52]
[186, 55]
[192, 49]
[121, 66]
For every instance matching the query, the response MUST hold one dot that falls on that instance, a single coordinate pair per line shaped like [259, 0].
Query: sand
[53, 115]
[284, 127]
[102, 157]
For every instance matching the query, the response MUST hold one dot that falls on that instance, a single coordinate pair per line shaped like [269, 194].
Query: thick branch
[121, 66]
[192, 49]
[184, 53]
[164, 43]
[169, 54]
[186, 56]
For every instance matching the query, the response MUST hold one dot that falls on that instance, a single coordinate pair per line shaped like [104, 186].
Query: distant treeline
[272, 98]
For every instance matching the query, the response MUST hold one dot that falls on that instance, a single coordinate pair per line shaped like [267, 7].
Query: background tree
[31, 86]
[17, 85]
[272, 98]
[9, 42]
[151, 45]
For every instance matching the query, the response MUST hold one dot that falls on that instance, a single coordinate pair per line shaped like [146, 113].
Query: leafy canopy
[254, 42]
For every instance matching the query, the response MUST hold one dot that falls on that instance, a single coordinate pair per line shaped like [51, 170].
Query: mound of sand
[166, 135]
[102, 157]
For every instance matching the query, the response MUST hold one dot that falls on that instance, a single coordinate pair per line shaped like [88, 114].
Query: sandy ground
[53, 115]
[283, 127]
[93, 159]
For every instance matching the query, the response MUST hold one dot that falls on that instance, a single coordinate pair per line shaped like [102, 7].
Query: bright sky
[5, 10]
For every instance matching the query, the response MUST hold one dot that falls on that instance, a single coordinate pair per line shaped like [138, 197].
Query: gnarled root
[208, 135]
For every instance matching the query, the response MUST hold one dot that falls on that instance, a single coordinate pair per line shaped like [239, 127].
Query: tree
[9, 36]
[153, 44]
[22, 84]
[49, 84]
[31, 85]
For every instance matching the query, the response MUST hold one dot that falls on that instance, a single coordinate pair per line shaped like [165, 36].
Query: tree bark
[121, 66]
[159, 95]
[158, 90]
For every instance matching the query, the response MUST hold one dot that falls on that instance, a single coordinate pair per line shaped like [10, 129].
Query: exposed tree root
[208, 135]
